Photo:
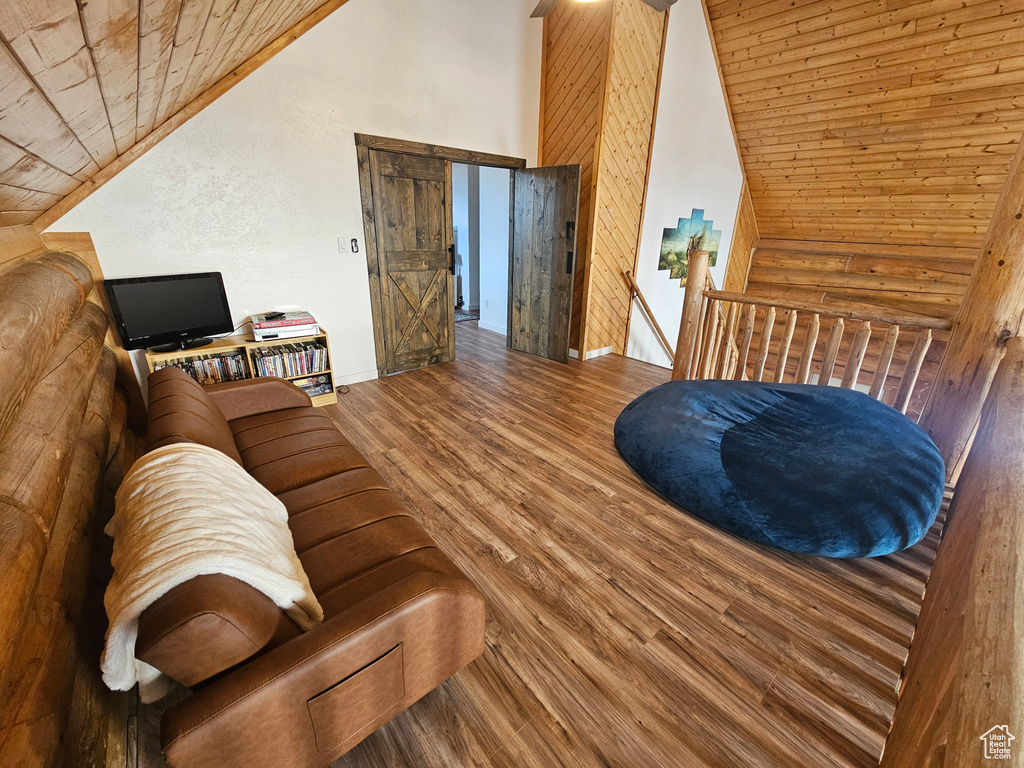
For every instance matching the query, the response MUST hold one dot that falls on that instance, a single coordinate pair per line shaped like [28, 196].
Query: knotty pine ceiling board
[82, 83]
[884, 121]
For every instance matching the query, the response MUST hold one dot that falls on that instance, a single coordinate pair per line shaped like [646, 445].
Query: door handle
[451, 255]
[570, 232]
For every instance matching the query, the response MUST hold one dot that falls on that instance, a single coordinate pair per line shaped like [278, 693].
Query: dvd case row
[290, 360]
[210, 369]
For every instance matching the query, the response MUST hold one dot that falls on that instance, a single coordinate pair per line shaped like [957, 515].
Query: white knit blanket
[186, 510]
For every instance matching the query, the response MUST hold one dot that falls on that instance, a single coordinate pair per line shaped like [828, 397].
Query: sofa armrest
[238, 399]
[327, 689]
[207, 625]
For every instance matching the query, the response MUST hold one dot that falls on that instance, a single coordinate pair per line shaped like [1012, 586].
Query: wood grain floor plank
[621, 631]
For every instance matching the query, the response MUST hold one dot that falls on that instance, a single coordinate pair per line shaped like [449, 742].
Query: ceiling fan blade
[544, 7]
[660, 5]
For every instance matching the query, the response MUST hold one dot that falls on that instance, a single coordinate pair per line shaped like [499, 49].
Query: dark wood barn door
[413, 212]
[544, 217]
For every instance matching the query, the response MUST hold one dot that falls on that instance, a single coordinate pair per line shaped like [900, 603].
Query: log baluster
[803, 371]
[884, 361]
[727, 341]
[710, 340]
[828, 363]
[748, 335]
[787, 340]
[698, 348]
[914, 362]
[716, 349]
[856, 357]
[766, 341]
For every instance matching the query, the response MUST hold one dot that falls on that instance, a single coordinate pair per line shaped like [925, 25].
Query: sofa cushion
[181, 412]
[339, 516]
[340, 486]
[288, 449]
[348, 554]
[385, 575]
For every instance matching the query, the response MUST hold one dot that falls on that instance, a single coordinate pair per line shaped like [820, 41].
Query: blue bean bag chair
[817, 470]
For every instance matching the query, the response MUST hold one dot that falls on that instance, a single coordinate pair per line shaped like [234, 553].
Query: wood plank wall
[599, 85]
[84, 84]
[874, 122]
[627, 128]
[744, 238]
[576, 52]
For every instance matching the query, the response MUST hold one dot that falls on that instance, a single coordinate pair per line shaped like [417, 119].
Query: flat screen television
[177, 311]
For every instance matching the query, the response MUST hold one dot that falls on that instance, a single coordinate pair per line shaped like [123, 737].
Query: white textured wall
[261, 184]
[494, 209]
[694, 164]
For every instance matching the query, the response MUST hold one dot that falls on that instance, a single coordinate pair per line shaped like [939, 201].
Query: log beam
[35, 459]
[991, 312]
[965, 672]
[37, 301]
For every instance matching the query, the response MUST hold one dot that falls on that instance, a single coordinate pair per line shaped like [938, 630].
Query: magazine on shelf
[315, 385]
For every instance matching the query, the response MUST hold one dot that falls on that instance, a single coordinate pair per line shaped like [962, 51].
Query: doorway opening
[480, 213]
[410, 233]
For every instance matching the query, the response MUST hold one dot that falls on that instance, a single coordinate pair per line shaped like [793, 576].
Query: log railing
[726, 335]
[635, 291]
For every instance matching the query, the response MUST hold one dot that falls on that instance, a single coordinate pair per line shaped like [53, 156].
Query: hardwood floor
[621, 630]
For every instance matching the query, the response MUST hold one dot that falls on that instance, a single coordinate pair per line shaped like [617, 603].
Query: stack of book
[283, 325]
[210, 369]
[290, 360]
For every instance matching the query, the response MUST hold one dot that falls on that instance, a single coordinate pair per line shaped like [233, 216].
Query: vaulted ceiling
[874, 121]
[83, 82]
[859, 120]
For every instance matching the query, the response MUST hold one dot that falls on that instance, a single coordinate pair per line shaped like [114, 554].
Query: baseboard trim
[575, 353]
[355, 378]
[492, 328]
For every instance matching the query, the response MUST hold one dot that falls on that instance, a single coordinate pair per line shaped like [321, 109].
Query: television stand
[186, 344]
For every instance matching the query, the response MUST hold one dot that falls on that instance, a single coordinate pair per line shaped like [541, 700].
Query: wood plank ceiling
[81, 83]
[874, 121]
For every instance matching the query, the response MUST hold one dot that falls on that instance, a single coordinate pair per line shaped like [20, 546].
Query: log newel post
[692, 300]
[990, 312]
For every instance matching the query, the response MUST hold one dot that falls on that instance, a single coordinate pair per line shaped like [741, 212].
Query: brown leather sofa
[400, 617]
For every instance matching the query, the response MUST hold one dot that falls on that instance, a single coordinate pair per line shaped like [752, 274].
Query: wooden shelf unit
[234, 345]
